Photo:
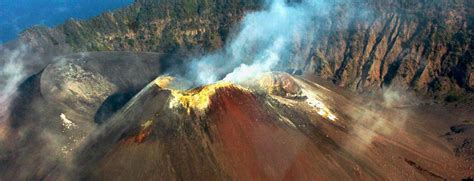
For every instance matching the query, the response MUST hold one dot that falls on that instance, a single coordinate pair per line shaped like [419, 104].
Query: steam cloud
[11, 74]
[266, 37]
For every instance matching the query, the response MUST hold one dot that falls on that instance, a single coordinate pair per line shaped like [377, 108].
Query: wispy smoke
[11, 75]
[12, 69]
[48, 146]
[383, 116]
[265, 39]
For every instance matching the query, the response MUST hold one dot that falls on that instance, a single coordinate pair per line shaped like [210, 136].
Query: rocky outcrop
[364, 44]
[426, 47]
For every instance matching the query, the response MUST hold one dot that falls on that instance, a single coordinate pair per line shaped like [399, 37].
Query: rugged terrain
[276, 126]
[363, 44]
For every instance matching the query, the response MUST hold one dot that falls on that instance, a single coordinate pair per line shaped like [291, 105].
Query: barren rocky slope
[362, 44]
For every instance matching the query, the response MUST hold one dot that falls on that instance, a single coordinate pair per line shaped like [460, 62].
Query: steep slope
[226, 131]
[423, 45]
[361, 44]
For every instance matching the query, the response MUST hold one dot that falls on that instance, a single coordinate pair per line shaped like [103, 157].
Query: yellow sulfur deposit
[197, 99]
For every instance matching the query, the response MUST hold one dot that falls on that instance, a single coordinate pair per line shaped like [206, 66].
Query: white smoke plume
[265, 39]
[11, 74]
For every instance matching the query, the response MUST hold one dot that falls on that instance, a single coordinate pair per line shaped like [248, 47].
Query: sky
[18, 15]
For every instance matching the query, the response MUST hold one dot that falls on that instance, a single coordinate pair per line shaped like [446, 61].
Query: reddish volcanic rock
[253, 144]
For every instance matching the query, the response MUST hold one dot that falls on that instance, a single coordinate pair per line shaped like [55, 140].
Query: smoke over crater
[266, 39]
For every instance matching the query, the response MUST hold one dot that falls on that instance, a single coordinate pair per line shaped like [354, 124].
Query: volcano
[243, 90]
[76, 120]
[276, 127]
